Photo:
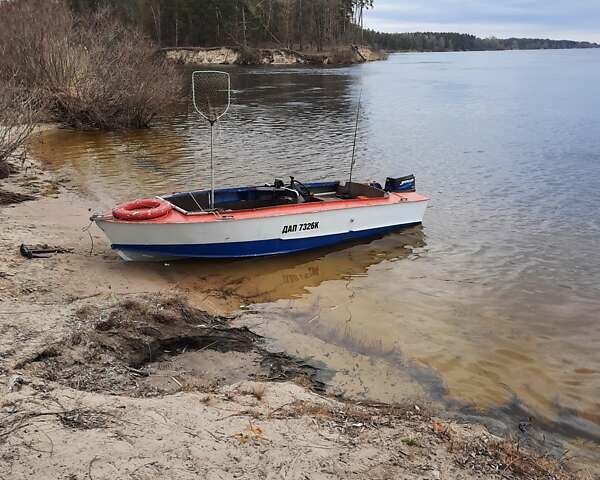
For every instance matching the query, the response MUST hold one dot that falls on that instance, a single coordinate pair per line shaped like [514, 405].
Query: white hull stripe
[245, 249]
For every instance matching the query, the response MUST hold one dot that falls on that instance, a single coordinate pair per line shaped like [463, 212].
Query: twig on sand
[143, 466]
[177, 382]
[137, 371]
[213, 435]
[85, 297]
[90, 466]
[291, 467]
[14, 429]
[64, 415]
[209, 345]
[508, 465]
[51, 452]
[23, 312]
[280, 407]
[243, 413]
[87, 229]
[308, 445]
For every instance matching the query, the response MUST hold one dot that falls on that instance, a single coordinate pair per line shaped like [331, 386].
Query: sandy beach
[113, 370]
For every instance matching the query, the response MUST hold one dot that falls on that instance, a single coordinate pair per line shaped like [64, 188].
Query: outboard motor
[400, 184]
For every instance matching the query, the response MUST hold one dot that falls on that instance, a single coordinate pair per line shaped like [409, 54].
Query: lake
[491, 308]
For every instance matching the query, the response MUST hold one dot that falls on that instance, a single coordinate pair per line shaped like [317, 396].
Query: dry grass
[480, 453]
[320, 411]
[75, 418]
[257, 390]
[508, 453]
[8, 198]
[503, 454]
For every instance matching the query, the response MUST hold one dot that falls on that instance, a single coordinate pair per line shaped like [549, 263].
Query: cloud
[557, 19]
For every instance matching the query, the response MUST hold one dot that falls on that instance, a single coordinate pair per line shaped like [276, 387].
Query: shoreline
[338, 56]
[81, 398]
[346, 55]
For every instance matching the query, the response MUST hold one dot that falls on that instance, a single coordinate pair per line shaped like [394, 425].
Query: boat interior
[231, 199]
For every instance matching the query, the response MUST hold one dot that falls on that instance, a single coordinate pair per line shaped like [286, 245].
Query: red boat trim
[310, 207]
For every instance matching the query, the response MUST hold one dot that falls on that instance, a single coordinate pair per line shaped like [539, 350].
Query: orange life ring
[142, 209]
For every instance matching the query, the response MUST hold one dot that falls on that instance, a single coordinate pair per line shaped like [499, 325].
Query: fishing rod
[355, 135]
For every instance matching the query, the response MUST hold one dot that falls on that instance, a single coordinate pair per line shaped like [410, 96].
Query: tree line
[294, 24]
[448, 42]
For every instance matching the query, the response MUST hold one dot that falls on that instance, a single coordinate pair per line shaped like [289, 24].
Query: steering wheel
[302, 189]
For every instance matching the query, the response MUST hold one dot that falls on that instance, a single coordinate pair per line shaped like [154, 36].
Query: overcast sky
[556, 19]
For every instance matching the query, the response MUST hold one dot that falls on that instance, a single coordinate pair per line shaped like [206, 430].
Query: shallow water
[492, 305]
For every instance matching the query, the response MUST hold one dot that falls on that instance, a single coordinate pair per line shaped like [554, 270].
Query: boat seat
[355, 189]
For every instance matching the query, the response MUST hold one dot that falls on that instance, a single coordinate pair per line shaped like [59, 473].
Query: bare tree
[18, 116]
[93, 70]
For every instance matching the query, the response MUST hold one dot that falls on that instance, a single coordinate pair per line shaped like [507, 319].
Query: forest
[309, 25]
[294, 24]
[449, 42]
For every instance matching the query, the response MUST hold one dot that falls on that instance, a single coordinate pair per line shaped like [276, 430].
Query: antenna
[355, 133]
[211, 95]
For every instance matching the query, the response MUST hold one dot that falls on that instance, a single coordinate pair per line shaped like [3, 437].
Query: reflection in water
[262, 280]
[497, 309]
[267, 133]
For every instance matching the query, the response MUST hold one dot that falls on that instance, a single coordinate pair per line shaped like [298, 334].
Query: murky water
[493, 304]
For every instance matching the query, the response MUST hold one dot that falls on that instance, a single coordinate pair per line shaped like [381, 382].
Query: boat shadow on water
[268, 279]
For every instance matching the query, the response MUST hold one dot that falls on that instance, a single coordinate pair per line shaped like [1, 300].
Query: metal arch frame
[212, 123]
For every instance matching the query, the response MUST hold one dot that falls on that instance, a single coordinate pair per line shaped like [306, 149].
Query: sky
[555, 19]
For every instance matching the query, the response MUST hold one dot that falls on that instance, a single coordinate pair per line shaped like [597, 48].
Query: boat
[263, 220]
[272, 219]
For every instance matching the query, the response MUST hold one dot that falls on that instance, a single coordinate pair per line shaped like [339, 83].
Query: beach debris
[129, 346]
[9, 198]
[524, 425]
[15, 382]
[41, 250]
[257, 390]
[81, 419]
[254, 432]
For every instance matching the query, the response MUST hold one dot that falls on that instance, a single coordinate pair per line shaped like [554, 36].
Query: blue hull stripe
[253, 248]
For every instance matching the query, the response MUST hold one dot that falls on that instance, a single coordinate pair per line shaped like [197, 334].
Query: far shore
[339, 56]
